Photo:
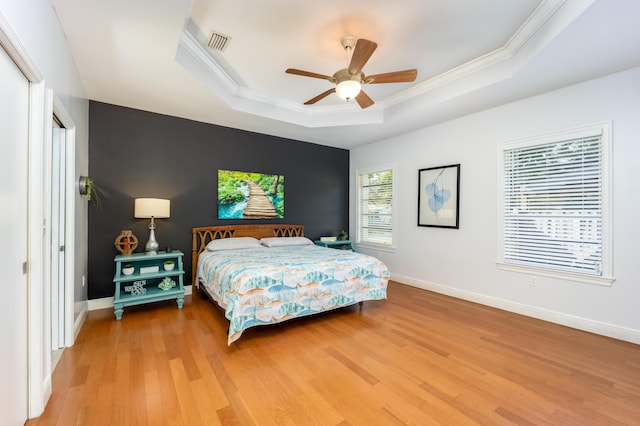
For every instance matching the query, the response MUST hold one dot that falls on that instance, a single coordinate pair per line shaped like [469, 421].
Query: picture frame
[439, 196]
[250, 195]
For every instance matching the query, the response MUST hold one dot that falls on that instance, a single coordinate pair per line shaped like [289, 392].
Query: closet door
[14, 138]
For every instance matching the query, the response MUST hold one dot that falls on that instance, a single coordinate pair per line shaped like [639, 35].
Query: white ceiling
[470, 55]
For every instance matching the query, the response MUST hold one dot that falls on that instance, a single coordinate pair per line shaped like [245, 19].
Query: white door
[58, 220]
[14, 138]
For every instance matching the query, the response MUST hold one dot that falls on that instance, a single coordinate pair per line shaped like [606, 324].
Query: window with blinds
[553, 213]
[375, 207]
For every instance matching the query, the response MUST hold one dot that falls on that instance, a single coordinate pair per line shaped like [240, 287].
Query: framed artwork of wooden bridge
[249, 195]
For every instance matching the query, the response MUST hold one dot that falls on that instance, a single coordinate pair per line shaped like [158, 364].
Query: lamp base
[151, 247]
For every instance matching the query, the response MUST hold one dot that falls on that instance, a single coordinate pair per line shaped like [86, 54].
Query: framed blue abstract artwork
[439, 196]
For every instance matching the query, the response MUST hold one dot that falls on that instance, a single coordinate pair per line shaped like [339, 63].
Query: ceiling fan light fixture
[348, 89]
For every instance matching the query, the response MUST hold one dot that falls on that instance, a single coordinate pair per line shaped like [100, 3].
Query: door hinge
[61, 248]
[25, 268]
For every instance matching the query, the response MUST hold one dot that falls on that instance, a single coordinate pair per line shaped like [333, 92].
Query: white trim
[97, 304]
[47, 142]
[540, 272]
[39, 345]
[211, 69]
[82, 315]
[10, 41]
[70, 249]
[56, 107]
[107, 302]
[579, 323]
[371, 246]
[548, 20]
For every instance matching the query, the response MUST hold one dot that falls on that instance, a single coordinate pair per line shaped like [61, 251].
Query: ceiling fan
[348, 81]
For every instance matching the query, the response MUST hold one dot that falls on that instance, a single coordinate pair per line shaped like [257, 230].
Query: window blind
[553, 206]
[375, 209]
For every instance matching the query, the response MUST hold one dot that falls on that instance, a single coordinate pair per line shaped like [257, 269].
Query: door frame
[42, 104]
[53, 106]
[58, 234]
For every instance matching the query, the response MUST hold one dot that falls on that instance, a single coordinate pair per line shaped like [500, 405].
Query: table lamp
[153, 208]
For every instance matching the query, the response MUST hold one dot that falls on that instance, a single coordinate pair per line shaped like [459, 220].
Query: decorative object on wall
[247, 195]
[439, 196]
[126, 242]
[152, 208]
[94, 193]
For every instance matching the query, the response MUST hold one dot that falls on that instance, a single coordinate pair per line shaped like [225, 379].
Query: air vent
[219, 41]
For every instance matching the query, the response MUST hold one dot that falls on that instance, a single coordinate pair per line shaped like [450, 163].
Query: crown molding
[549, 19]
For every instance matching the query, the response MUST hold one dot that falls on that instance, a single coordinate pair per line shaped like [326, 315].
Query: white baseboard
[107, 302]
[47, 391]
[82, 315]
[584, 324]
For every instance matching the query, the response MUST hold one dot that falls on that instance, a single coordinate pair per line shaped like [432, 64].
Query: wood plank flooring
[418, 358]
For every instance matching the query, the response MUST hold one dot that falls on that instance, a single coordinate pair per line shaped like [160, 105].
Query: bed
[266, 274]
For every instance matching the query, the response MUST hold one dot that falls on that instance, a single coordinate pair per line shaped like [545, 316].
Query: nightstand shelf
[341, 245]
[140, 288]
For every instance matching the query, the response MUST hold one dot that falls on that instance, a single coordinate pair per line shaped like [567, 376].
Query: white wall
[38, 38]
[462, 262]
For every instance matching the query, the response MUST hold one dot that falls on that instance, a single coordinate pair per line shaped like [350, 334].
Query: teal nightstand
[342, 245]
[141, 286]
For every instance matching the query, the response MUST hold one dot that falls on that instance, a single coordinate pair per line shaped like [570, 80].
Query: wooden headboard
[201, 237]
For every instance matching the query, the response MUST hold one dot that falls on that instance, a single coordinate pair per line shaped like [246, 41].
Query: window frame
[602, 129]
[368, 244]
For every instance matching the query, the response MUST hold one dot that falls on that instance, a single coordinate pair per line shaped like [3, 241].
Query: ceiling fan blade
[392, 77]
[364, 100]
[361, 54]
[320, 96]
[308, 74]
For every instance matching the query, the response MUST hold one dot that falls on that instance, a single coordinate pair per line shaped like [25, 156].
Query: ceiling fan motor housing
[344, 75]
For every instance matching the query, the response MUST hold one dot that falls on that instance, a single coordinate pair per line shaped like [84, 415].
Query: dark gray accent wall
[135, 154]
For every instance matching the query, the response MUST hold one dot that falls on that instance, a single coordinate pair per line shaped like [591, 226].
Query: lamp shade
[152, 207]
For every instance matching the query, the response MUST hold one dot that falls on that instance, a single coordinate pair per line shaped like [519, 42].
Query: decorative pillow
[233, 244]
[285, 241]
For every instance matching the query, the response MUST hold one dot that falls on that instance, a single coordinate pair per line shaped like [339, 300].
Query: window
[554, 217]
[375, 207]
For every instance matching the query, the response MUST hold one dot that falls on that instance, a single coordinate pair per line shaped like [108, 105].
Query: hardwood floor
[417, 358]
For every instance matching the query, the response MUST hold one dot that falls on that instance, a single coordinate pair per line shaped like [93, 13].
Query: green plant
[127, 265]
[342, 235]
[168, 262]
[94, 193]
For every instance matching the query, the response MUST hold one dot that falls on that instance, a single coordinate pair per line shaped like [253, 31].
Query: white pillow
[285, 241]
[233, 244]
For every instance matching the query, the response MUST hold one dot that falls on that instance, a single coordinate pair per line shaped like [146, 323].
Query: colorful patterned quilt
[270, 285]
